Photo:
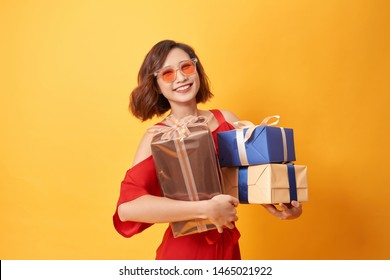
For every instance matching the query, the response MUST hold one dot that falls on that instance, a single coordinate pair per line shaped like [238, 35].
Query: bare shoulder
[144, 150]
[229, 116]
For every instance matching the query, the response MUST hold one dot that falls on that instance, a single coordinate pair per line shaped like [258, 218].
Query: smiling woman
[172, 78]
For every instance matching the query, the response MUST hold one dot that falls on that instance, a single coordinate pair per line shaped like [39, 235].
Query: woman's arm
[144, 149]
[220, 210]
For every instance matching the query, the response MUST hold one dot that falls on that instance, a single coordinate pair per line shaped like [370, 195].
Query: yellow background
[66, 71]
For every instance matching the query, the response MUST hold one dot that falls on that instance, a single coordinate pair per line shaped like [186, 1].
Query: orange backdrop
[67, 68]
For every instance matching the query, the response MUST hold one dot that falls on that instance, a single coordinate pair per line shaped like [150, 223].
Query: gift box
[187, 167]
[266, 183]
[249, 144]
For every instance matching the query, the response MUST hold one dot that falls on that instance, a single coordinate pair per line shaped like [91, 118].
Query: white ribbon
[284, 144]
[241, 138]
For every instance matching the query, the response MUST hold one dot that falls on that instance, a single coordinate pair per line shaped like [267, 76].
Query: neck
[183, 112]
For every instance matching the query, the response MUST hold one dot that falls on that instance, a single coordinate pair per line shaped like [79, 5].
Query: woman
[172, 78]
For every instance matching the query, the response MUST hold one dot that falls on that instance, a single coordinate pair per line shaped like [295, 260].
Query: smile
[184, 88]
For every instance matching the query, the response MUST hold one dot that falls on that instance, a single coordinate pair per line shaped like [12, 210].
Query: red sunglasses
[186, 67]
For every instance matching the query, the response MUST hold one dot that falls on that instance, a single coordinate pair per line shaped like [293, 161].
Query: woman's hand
[221, 211]
[288, 211]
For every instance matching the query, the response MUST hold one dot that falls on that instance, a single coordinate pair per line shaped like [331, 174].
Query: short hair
[146, 100]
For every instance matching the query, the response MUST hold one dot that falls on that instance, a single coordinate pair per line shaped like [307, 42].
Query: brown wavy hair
[146, 100]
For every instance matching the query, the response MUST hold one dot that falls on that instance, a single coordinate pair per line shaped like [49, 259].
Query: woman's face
[184, 88]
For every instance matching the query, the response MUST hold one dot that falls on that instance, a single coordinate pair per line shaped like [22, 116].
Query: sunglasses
[186, 68]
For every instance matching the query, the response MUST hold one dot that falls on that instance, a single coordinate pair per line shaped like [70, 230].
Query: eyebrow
[177, 64]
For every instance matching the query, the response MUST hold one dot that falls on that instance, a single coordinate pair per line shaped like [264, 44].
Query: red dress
[141, 179]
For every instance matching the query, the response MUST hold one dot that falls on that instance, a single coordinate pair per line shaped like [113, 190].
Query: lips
[184, 88]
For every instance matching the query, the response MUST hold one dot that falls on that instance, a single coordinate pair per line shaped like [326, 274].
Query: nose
[180, 77]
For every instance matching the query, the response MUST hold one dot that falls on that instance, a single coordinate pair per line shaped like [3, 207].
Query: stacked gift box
[257, 164]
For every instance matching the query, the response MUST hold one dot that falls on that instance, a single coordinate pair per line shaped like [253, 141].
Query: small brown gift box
[187, 168]
[266, 183]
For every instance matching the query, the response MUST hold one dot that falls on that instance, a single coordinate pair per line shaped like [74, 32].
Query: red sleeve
[141, 179]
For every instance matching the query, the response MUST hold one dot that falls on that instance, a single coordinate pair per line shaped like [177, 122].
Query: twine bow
[178, 128]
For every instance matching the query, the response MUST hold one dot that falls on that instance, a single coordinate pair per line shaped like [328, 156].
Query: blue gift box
[266, 144]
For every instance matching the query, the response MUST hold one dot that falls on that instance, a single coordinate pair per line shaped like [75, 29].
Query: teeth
[183, 87]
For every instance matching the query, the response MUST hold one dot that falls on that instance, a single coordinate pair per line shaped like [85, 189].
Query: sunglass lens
[187, 67]
[168, 75]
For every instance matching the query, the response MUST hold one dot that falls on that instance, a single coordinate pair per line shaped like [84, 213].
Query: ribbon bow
[178, 128]
[251, 127]
[241, 138]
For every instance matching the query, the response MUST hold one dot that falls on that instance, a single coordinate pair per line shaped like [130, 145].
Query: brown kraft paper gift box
[187, 169]
[264, 183]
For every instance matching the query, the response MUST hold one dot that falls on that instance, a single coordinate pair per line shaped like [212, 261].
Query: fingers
[230, 225]
[284, 207]
[232, 219]
[219, 228]
[234, 201]
[285, 212]
[291, 211]
[296, 204]
[222, 211]
[293, 204]
[271, 208]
